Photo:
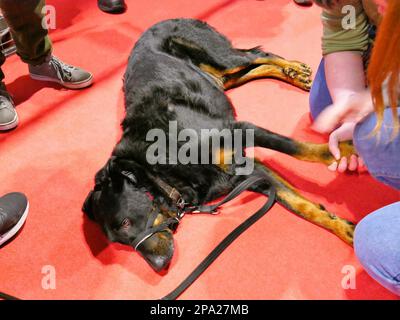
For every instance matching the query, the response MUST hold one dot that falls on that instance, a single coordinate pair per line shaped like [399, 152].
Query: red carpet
[65, 136]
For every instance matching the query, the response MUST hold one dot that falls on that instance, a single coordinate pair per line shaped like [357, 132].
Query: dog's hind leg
[301, 81]
[259, 57]
[288, 66]
[231, 67]
[305, 151]
[290, 198]
[268, 65]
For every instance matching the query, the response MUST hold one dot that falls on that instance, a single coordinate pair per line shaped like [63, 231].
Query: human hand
[343, 133]
[351, 107]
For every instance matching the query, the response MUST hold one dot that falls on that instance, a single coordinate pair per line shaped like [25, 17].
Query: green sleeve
[335, 38]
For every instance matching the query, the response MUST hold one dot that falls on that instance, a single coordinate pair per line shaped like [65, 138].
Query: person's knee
[377, 243]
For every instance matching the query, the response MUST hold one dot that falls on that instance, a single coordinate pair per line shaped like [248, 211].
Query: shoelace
[64, 71]
[2, 218]
[3, 105]
[4, 95]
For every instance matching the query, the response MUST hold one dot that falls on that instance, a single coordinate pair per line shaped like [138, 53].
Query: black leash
[175, 195]
[5, 296]
[222, 246]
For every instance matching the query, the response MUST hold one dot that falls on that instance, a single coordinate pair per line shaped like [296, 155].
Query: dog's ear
[126, 168]
[112, 175]
[123, 164]
[103, 175]
[87, 207]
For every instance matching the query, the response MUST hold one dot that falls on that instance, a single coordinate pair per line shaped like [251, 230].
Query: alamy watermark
[49, 277]
[188, 146]
[49, 20]
[349, 21]
[349, 279]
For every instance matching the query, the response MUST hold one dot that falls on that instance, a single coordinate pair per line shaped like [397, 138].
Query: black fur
[163, 82]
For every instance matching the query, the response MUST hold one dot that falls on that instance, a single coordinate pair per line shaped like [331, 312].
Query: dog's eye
[126, 223]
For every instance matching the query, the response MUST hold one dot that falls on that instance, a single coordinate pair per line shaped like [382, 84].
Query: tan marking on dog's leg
[224, 159]
[216, 74]
[234, 70]
[160, 218]
[288, 66]
[220, 73]
[320, 152]
[289, 197]
[269, 71]
[316, 214]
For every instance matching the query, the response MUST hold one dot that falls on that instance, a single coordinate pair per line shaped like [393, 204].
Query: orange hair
[385, 65]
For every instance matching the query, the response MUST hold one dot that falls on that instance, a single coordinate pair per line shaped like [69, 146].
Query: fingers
[353, 164]
[333, 167]
[343, 133]
[361, 163]
[342, 167]
[362, 168]
[333, 145]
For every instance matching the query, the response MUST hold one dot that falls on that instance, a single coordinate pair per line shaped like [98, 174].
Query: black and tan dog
[178, 71]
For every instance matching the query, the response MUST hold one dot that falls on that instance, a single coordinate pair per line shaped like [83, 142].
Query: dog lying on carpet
[177, 74]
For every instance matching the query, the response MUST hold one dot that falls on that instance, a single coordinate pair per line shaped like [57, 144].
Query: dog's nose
[158, 250]
[158, 263]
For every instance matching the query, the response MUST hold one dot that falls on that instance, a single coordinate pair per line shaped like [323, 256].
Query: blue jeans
[377, 246]
[377, 236]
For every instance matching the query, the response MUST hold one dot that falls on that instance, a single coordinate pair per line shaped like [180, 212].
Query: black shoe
[14, 209]
[304, 3]
[112, 6]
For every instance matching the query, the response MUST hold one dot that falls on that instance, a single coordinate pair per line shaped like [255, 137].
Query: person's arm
[351, 109]
[344, 72]
[342, 49]
[345, 77]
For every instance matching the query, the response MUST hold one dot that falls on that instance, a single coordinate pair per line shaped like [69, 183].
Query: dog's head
[124, 207]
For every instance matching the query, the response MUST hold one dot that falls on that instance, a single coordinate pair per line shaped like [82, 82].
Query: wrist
[345, 94]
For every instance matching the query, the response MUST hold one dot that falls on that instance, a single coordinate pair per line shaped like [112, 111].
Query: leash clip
[181, 205]
[196, 209]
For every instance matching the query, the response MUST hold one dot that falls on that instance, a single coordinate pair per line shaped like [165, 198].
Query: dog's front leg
[306, 151]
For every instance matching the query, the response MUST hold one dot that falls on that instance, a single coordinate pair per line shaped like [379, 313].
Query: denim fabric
[377, 246]
[381, 152]
[320, 97]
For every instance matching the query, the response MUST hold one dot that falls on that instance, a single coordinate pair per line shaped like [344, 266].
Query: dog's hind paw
[291, 73]
[303, 82]
[300, 68]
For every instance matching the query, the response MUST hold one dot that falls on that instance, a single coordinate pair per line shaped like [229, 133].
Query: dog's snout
[158, 250]
[159, 263]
